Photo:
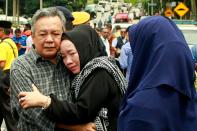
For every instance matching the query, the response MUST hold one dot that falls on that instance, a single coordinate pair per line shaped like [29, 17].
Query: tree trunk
[194, 9]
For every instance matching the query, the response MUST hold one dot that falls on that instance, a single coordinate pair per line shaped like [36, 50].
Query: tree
[134, 2]
[194, 9]
[95, 1]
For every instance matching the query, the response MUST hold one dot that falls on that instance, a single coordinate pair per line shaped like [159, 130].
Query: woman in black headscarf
[97, 86]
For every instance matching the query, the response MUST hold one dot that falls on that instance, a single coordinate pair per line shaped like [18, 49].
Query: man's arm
[21, 80]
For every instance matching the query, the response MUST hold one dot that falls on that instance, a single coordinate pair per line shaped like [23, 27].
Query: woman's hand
[32, 99]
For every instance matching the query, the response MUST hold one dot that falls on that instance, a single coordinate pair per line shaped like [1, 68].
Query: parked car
[100, 8]
[190, 33]
[121, 18]
[91, 8]
[107, 8]
[103, 3]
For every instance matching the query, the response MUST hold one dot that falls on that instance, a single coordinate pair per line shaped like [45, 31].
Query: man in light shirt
[104, 38]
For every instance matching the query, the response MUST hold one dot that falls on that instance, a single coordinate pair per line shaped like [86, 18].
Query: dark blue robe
[161, 94]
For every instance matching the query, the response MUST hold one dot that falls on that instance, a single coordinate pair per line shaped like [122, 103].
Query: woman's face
[70, 56]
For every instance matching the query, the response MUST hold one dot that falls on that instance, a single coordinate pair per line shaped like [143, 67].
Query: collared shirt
[30, 69]
[107, 46]
[126, 58]
[8, 52]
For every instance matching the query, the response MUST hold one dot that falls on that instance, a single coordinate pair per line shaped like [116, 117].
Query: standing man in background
[8, 52]
[126, 55]
[104, 38]
[20, 41]
[118, 42]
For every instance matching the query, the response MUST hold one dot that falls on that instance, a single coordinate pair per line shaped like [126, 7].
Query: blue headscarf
[160, 56]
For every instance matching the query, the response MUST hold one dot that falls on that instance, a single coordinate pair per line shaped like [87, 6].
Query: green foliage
[134, 2]
[95, 1]
[29, 7]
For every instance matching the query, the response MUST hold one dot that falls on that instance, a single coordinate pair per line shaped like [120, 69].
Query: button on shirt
[48, 77]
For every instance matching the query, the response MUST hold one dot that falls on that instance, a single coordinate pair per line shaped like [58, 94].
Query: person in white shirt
[104, 38]
[118, 42]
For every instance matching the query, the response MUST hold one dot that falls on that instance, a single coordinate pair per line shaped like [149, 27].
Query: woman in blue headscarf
[161, 93]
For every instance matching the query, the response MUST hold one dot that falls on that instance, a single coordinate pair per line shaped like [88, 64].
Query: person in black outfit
[97, 84]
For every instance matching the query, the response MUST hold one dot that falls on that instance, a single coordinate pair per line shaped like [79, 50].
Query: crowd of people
[62, 74]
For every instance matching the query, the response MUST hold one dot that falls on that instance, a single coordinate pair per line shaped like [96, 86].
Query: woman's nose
[68, 60]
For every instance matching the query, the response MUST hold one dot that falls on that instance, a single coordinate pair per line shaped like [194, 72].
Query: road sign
[181, 9]
[168, 12]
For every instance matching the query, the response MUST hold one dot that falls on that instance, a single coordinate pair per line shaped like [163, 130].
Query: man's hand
[81, 127]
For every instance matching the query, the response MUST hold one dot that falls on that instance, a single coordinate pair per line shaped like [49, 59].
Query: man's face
[47, 36]
[18, 34]
[122, 33]
[105, 33]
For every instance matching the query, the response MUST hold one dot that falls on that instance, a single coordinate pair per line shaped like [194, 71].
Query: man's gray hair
[47, 12]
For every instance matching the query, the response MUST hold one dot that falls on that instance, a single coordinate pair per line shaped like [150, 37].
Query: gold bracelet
[47, 103]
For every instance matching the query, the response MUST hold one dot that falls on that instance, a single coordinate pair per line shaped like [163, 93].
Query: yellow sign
[168, 13]
[181, 9]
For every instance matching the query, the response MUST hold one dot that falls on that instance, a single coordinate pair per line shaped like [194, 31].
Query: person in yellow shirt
[8, 53]
[8, 48]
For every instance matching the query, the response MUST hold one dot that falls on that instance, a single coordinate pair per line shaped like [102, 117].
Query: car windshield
[189, 32]
[190, 36]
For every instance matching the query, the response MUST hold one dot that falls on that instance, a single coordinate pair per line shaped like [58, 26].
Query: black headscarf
[87, 43]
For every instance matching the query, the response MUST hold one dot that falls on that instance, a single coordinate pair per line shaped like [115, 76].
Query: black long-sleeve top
[98, 90]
